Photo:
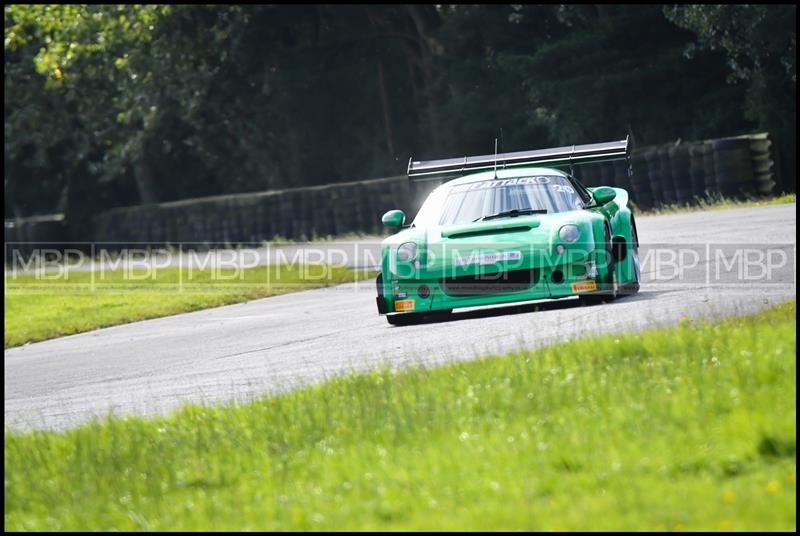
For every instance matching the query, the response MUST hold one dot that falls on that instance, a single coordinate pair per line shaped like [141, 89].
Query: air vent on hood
[490, 231]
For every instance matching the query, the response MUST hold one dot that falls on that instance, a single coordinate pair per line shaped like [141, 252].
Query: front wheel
[632, 287]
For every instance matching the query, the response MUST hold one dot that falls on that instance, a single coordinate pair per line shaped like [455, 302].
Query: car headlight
[407, 251]
[569, 233]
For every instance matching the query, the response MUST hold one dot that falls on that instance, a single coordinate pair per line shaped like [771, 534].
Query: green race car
[515, 231]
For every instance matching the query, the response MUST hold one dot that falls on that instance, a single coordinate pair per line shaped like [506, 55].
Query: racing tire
[632, 287]
[381, 304]
[609, 293]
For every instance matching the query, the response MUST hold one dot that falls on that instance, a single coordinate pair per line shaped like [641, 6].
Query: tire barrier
[608, 174]
[680, 173]
[653, 159]
[588, 174]
[737, 167]
[299, 213]
[763, 164]
[697, 170]
[711, 186]
[732, 167]
[23, 235]
[621, 177]
[641, 194]
[667, 186]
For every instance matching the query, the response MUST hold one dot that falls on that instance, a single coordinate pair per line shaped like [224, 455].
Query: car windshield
[465, 203]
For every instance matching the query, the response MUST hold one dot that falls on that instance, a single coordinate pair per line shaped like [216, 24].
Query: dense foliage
[119, 105]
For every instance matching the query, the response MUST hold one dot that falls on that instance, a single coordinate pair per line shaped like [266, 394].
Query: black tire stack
[740, 166]
[642, 193]
[712, 186]
[733, 167]
[621, 178]
[588, 174]
[667, 186]
[763, 164]
[680, 173]
[699, 153]
[607, 177]
[655, 172]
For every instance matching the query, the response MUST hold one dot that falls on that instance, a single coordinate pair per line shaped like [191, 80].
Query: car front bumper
[435, 294]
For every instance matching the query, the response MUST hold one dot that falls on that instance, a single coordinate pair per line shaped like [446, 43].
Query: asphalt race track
[701, 264]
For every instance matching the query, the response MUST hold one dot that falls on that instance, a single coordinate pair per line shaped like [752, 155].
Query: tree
[64, 87]
[760, 45]
[616, 69]
[118, 105]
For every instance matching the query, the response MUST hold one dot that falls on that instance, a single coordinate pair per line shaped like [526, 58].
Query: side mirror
[604, 194]
[394, 219]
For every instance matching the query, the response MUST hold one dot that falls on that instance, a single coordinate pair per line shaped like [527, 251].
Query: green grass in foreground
[721, 203]
[687, 428]
[38, 308]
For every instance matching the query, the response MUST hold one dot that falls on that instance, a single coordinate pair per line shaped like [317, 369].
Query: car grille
[486, 284]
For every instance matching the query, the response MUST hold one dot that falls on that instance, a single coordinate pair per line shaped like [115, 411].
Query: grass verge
[39, 307]
[684, 428]
[720, 203]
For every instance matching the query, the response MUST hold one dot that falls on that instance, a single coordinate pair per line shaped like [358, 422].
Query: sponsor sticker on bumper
[488, 258]
[403, 305]
[584, 286]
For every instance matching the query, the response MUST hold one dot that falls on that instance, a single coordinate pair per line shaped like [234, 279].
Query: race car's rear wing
[557, 157]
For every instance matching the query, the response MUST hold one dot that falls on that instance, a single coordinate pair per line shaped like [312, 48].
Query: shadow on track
[532, 307]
